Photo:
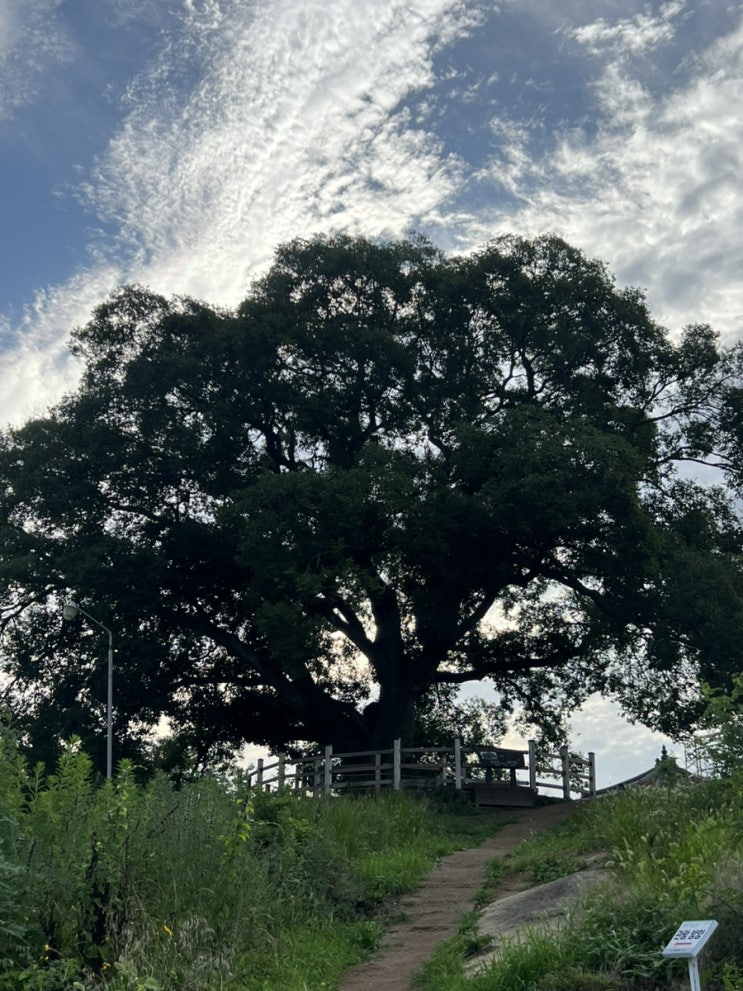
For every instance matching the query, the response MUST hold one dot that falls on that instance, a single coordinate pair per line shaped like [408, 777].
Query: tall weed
[133, 887]
[677, 853]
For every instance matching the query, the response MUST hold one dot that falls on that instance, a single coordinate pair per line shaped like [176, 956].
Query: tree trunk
[391, 717]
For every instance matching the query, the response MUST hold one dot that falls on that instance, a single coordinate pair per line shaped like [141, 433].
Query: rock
[546, 906]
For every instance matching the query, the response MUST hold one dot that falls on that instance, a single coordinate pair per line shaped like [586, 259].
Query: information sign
[689, 938]
[687, 944]
[501, 758]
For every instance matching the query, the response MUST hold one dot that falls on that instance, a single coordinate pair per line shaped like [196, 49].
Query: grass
[494, 873]
[676, 853]
[213, 887]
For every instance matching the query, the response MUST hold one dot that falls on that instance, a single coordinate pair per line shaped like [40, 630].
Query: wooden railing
[456, 766]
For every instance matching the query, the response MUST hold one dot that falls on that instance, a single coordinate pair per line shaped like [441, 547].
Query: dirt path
[434, 911]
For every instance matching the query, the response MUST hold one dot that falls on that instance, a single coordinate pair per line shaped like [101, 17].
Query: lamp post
[69, 612]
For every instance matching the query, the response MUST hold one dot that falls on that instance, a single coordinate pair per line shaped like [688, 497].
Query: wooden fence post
[565, 757]
[281, 773]
[396, 769]
[328, 770]
[591, 773]
[533, 765]
[457, 763]
[377, 772]
[259, 774]
[317, 762]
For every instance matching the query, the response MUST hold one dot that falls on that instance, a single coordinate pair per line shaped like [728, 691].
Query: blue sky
[175, 143]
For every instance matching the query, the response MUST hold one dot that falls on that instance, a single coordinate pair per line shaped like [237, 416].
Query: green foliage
[553, 854]
[494, 873]
[441, 715]
[732, 977]
[677, 854]
[721, 729]
[322, 498]
[134, 886]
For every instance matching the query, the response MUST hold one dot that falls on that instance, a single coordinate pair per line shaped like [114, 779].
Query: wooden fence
[456, 767]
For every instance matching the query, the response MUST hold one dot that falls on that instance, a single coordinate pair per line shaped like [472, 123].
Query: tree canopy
[389, 470]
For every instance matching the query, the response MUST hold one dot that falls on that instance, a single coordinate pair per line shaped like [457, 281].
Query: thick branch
[518, 665]
[301, 694]
[344, 619]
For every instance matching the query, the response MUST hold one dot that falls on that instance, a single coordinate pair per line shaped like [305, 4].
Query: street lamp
[69, 612]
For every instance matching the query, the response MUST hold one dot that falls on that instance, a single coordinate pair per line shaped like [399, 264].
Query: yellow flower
[168, 930]
[106, 966]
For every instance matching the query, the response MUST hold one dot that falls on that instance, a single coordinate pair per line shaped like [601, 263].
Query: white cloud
[31, 41]
[37, 368]
[256, 124]
[295, 127]
[622, 749]
[251, 127]
[630, 36]
[655, 192]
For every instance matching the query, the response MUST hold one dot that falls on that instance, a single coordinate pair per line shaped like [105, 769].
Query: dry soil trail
[433, 912]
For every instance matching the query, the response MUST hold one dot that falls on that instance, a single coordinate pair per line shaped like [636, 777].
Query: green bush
[676, 853]
[145, 887]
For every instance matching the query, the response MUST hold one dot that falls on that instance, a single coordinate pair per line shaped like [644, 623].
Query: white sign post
[687, 944]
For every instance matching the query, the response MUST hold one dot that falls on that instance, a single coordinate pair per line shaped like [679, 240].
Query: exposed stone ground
[546, 905]
[433, 912]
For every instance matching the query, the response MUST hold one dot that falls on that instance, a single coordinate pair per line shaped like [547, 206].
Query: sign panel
[501, 758]
[689, 938]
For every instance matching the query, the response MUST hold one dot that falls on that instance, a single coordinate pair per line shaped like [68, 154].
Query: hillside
[667, 854]
[128, 885]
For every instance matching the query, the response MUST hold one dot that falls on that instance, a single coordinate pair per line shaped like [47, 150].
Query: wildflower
[168, 930]
[106, 966]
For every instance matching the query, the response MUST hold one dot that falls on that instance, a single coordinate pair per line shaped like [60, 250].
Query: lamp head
[70, 610]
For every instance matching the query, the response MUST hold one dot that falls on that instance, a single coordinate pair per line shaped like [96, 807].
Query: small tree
[720, 740]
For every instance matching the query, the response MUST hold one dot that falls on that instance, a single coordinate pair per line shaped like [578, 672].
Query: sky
[176, 143]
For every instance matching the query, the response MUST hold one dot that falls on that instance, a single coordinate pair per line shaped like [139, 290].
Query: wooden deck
[501, 793]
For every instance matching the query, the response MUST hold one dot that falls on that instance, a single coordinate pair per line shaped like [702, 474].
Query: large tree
[389, 470]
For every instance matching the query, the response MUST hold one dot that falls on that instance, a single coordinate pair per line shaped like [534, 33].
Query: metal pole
[696, 984]
[110, 708]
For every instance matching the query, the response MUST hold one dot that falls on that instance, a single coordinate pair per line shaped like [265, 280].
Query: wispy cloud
[630, 36]
[252, 124]
[654, 191]
[295, 126]
[32, 40]
[249, 127]
[632, 750]
[36, 367]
